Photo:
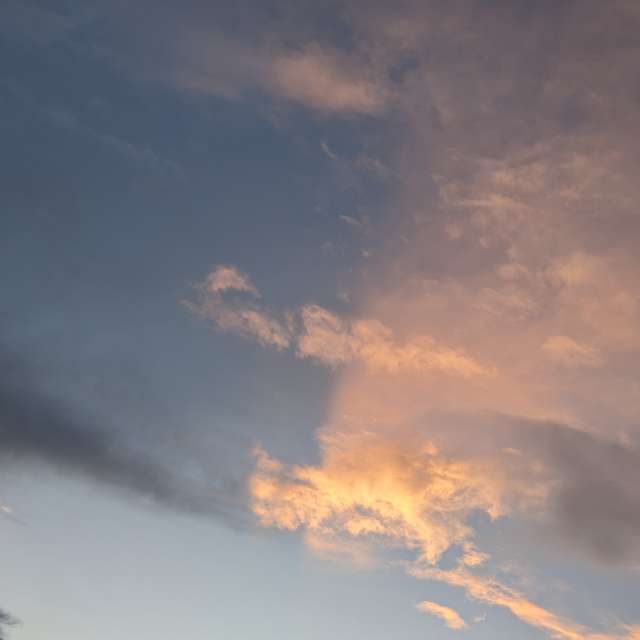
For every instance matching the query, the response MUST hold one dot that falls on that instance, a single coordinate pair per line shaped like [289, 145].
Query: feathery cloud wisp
[448, 615]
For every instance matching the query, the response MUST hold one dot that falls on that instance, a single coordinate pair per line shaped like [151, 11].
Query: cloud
[226, 278]
[492, 592]
[6, 620]
[200, 56]
[350, 221]
[323, 336]
[324, 81]
[328, 498]
[449, 616]
[35, 427]
[243, 316]
[332, 340]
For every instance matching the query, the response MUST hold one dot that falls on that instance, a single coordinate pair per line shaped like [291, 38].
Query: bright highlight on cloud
[375, 488]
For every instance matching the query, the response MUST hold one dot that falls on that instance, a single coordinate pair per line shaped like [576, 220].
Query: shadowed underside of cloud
[419, 491]
[37, 428]
[6, 620]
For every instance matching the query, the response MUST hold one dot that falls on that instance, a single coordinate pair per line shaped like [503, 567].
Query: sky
[320, 319]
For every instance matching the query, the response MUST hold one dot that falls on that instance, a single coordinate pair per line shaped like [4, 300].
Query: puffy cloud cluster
[399, 492]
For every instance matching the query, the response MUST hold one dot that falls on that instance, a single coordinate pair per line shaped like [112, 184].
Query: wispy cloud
[492, 592]
[448, 615]
[322, 335]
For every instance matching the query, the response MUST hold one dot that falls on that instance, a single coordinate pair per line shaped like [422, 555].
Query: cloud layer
[490, 371]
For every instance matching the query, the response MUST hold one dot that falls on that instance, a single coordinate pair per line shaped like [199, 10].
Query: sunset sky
[320, 319]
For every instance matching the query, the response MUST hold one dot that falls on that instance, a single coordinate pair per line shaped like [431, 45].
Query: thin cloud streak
[449, 616]
[6, 620]
[322, 335]
[37, 428]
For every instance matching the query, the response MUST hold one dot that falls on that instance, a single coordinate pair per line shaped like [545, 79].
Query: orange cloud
[242, 317]
[492, 592]
[449, 616]
[400, 493]
[332, 340]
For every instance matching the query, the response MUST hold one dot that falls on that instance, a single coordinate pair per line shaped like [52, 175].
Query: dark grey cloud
[6, 620]
[38, 428]
[593, 504]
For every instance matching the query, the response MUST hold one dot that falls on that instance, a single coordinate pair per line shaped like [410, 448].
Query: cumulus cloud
[243, 317]
[226, 278]
[448, 615]
[394, 491]
[390, 489]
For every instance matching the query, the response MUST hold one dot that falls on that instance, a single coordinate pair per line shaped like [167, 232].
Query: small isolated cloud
[395, 491]
[243, 317]
[225, 278]
[321, 80]
[449, 616]
[350, 221]
[327, 151]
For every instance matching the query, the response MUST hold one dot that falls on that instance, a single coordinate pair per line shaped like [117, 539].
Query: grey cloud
[6, 620]
[593, 506]
[35, 427]
[596, 503]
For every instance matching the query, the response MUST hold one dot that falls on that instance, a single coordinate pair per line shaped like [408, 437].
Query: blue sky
[319, 319]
